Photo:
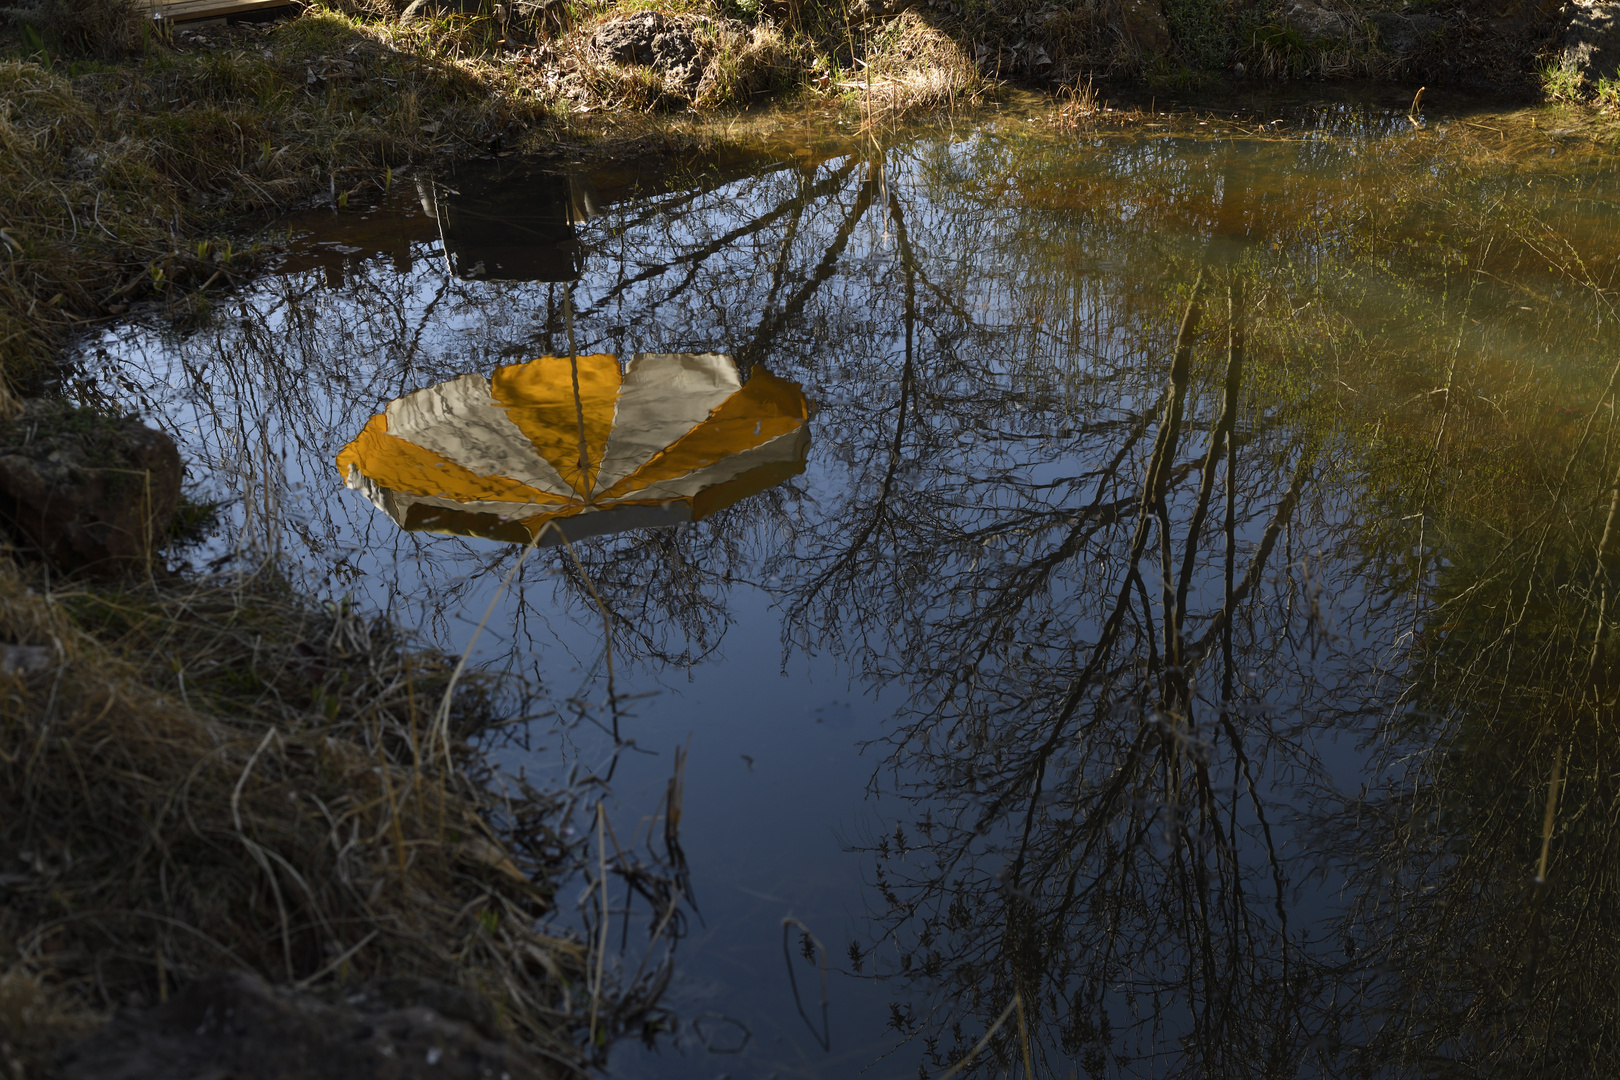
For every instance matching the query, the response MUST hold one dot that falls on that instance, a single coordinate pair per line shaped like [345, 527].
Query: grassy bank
[139, 164]
[223, 775]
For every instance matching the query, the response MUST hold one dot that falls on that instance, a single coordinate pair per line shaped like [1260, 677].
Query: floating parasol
[582, 443]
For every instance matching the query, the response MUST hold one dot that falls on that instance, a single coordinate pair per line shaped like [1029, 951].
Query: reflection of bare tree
[1075, 784]
[1129, 571]
[1090, 829]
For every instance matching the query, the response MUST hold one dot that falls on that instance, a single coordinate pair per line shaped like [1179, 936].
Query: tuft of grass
[1273, 49]
[1202, 29]
[911, 65]
[738, 62]
[749, 65]
[195, 521]
[1278, 52]
[1079, 105]
[1562, 81]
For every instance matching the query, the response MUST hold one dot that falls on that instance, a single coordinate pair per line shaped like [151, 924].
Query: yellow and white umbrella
[672, 437]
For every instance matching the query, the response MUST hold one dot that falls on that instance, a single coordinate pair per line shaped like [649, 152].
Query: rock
[26, 659]
[1591, 38]
[1403, 34]
[89, 491]
[1144, 24]
[1316, 22]
[235, 1025]
[666, 43]
[864, 11]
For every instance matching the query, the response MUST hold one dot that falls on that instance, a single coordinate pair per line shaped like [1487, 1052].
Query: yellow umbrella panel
[580, 443]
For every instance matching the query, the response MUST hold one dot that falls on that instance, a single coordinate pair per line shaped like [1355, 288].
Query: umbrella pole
[579, 404]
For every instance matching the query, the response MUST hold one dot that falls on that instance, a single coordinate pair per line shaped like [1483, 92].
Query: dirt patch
[670, 45]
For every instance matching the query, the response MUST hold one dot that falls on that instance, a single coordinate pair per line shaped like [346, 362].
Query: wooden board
[190, 10]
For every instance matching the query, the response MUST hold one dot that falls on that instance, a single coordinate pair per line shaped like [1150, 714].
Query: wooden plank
[188, 10]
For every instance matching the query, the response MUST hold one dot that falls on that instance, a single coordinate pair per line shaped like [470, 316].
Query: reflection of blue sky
[1010, 417]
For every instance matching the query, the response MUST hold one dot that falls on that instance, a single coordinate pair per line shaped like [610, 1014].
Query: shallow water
[1029, 710]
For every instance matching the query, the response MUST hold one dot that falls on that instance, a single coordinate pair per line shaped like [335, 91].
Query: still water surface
[1158, 649]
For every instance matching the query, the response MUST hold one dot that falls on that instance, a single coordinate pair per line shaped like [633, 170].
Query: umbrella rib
[579, 404]
[584, 451]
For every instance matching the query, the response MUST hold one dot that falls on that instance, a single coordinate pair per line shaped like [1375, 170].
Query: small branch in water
[957, 1069]
[824, 1037]
[1552, 813]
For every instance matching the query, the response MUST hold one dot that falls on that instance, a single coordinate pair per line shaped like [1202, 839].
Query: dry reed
[911, 65]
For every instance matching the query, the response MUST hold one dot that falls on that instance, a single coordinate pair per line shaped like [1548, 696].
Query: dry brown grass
[223, 775]
[910, 65]
[749, 65]
[1079, 105]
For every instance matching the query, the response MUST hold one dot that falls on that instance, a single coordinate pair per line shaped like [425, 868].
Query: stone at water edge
[1145, 25]
[1591, 38]
[665, 43]
[88, 491]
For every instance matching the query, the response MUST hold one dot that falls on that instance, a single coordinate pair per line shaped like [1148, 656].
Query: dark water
[1198, 572]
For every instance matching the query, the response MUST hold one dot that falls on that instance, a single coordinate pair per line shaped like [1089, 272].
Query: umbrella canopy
[672, 437]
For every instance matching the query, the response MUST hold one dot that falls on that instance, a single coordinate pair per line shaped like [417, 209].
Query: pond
[1148, 614]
